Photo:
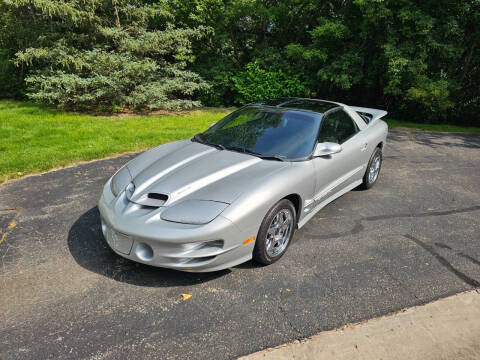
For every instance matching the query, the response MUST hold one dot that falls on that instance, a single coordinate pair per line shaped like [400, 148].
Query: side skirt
[326, 201]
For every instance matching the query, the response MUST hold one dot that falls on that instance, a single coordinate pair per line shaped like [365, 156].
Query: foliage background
[417, 59]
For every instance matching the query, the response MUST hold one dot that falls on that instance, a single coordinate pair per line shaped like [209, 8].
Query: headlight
[195, 212]
[120, 181]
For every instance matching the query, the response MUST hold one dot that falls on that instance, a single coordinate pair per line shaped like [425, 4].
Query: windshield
[267, 132]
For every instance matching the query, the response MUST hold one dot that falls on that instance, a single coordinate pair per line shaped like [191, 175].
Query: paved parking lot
[411, 239]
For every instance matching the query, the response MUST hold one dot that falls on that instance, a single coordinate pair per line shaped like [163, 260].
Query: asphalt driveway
[413, 238]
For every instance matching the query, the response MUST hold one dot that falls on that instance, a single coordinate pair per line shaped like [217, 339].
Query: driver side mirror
[326, 148]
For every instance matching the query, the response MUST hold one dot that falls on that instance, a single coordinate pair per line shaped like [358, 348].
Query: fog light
[144, 252]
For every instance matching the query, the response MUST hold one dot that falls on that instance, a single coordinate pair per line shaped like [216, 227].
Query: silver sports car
[240, 189]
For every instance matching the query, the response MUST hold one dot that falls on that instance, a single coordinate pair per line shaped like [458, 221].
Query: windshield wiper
[199, 140]
[254, 153]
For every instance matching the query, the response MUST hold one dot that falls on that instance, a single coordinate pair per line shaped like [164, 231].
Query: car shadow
[249, 265]
[90, 251]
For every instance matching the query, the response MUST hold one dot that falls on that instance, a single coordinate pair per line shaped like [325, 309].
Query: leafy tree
[107, 53]
[256, 83]
[420, 60]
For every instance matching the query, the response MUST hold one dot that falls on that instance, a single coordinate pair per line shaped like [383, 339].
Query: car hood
[190, 170]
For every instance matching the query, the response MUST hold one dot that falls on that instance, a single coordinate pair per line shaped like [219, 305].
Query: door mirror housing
[326, 148]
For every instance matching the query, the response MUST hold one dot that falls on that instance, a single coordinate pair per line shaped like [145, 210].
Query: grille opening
[157, 196]
[200, 259]
[212, 244]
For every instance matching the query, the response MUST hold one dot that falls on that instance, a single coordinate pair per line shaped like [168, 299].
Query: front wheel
[373, 169]
[276, 233]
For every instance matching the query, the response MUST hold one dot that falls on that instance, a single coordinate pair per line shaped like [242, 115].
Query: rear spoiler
[368, 114]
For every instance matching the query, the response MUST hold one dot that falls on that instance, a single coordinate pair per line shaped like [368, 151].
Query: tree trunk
[117, 18]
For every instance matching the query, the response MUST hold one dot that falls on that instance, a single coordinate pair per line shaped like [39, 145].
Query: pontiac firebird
[240, 189]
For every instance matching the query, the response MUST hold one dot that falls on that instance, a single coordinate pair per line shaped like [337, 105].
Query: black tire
[367, 182]
[260, 253]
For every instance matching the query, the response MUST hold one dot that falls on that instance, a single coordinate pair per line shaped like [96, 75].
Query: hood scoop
[151, 199]
[157, 196]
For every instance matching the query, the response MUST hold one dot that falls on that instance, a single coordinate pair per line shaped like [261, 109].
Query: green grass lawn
[35, 139]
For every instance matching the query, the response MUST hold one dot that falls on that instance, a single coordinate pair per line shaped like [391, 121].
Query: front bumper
[138, 233]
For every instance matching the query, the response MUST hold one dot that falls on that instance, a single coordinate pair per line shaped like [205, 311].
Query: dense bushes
[255, 84]
[418, 59]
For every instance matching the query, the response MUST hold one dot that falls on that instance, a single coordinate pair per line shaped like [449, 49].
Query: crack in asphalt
[285, 315]
[468, 257]
[425, 214]
[459, 253]
[8, 210]
[465, 278]
[358, 227]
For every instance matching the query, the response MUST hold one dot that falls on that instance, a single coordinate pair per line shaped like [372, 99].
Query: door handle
[364, 147]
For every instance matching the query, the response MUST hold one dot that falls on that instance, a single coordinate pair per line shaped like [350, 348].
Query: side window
[337, 127]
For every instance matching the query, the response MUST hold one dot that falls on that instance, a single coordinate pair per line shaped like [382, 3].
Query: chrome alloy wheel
[374, 169]
[279, 233]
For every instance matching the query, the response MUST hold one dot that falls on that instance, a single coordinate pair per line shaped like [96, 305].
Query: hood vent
[157, 196]
[151, 199]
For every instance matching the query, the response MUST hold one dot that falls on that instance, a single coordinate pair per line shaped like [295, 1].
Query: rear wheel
[276, 233]
[373, 169]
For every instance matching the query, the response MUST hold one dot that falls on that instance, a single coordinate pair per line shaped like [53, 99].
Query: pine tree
[107, 54]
